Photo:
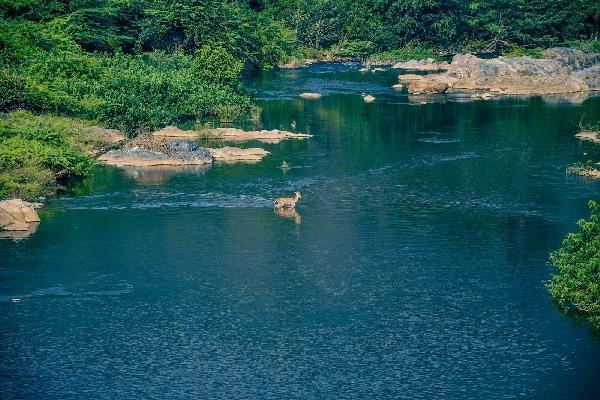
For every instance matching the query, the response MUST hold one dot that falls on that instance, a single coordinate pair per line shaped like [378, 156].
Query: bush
[587, 46]
[520, 51]
[404, 54]
[35, 149]
[354, 49]
[576, 286]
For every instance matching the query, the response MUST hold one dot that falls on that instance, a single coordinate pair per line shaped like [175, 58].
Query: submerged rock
[368, 98]
[310, 96]
[18, 215]
[235, 154]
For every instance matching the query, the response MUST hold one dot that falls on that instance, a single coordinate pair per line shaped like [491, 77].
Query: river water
[414, 267]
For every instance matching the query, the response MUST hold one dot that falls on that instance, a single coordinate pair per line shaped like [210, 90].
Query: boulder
[17, 215]
[427, 87]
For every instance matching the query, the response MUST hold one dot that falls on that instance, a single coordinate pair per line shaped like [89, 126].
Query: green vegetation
[519, 51]
[576, 286]
[405, 54]
[38, 152]
[493, 26]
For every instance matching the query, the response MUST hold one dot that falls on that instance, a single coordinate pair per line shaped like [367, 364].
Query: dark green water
[414, 269]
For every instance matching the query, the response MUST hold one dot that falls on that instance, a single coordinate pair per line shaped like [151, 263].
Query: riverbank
[41, 154]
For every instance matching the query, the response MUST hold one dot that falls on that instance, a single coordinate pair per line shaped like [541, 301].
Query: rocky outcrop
[139, 157]
[234, 154]
[144, 152]
[18, 215]
[562, 71]
[429, 65]
[229, 134]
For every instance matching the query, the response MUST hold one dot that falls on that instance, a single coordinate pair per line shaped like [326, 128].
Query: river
[414, 267]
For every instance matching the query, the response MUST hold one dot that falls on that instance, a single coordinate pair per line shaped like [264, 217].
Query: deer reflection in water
[290, 213]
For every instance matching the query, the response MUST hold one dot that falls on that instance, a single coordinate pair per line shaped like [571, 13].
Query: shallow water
[414, 267]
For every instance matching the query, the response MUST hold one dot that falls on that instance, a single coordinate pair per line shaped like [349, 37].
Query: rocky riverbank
[562, 70]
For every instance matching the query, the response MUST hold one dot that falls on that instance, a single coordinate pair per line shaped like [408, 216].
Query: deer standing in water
[287, 202]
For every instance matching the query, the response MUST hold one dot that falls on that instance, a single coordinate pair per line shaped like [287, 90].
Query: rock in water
[17, 215]
[368, 98]
[427, 87]
[140, 157]
[562, 71]
[235, 154]
[310, 96]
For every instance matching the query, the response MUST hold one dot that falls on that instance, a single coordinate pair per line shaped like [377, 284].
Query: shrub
[520, 51]
[354, 49]
[404, 54]
[576, 285]
[35, 149]
[587, 46]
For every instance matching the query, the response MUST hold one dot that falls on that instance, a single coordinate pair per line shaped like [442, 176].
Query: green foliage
[355, 49]
[520, 51]
[404, 54]
[483, 25]
[576, 286]
[34, 149]
[587, 46]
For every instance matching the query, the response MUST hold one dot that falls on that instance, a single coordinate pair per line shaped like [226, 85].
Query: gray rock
[137, 156]
[572, 58]
[183, 145]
